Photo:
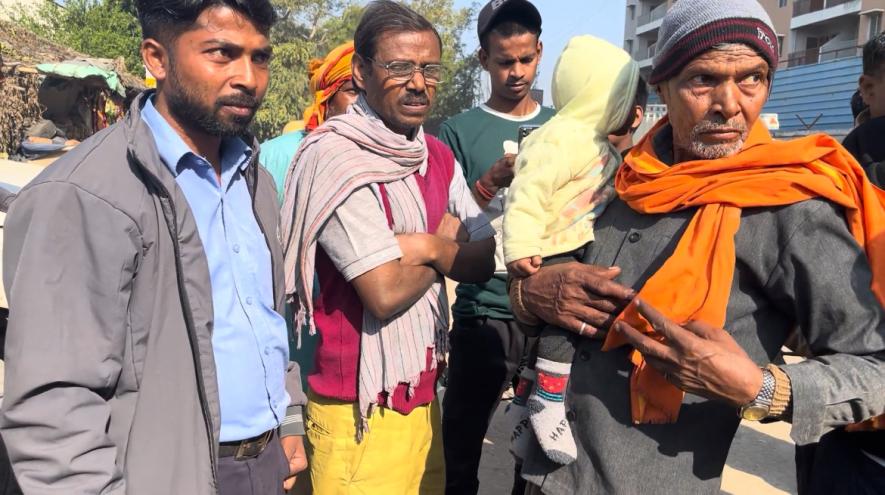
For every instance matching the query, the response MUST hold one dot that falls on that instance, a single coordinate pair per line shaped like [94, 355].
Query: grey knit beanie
[691, 27]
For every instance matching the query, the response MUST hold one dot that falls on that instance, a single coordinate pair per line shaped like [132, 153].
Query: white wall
[845, 27]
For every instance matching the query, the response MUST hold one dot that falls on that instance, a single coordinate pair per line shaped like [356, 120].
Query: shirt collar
[172, 149]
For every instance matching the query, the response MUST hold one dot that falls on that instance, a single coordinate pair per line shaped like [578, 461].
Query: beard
[187, 108]
[698, 148]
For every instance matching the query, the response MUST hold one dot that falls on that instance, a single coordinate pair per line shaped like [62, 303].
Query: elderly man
[721, 243]
[380, 212]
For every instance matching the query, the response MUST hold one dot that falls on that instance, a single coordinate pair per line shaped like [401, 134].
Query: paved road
[760, 461]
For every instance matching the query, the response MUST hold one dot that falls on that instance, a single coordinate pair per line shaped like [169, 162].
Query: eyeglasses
[403, 71]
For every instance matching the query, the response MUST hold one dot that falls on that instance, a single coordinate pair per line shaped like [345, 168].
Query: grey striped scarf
[344, 154]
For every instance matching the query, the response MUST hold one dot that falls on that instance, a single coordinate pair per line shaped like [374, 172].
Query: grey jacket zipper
[172, 223]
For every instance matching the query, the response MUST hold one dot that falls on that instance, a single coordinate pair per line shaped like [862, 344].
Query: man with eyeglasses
[380, 213]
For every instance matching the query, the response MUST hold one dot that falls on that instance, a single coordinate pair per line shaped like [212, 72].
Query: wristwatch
[759, 408]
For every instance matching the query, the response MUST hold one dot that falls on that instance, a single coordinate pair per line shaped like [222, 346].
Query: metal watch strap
[760, 407]
[766, 393]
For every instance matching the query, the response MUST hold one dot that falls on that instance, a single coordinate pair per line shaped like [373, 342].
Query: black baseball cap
[495, 8]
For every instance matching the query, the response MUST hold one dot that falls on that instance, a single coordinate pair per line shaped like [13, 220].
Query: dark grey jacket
[110, 376]
[796, 266]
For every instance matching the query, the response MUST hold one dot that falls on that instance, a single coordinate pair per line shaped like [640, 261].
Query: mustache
[415, 99]
[238, 100]
[705, 126]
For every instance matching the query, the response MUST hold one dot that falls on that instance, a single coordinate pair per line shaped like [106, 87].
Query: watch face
[754, 412]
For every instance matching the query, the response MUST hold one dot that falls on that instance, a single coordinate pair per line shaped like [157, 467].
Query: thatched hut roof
[22, 52]
[26, 50]
[25, 47]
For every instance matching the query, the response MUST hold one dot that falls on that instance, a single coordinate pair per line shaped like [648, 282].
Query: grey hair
[727, 47]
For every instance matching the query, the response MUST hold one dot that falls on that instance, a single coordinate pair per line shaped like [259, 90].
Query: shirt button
[634, 237]
[236, 248]
[249, 301]
[570, 416]
[267, 351]
[584, 356]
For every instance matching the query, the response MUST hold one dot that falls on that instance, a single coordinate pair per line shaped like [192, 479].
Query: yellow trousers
[399, 455]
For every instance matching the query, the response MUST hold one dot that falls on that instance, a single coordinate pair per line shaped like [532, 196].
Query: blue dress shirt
[249, 339]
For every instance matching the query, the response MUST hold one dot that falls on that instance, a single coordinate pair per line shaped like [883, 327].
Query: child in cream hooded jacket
[563, 182]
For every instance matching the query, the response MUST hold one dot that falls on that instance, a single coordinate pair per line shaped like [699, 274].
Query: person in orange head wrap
[333, 91]
[722, 241]
[331, 85]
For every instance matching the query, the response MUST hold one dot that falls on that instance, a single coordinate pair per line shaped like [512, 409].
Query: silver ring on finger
[583, 327]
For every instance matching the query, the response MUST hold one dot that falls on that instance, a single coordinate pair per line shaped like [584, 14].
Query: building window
[631, 10]
[780, 45]
[628, 46]
[782, 3]
[875, 24]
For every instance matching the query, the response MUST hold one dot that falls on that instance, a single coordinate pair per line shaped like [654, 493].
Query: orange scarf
[766, 173]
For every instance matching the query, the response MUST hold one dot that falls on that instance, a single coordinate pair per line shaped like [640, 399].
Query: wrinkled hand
[525, 267]
[451, 228]
[697, 358]
[569, 295]
[293, 447]
[500, 174]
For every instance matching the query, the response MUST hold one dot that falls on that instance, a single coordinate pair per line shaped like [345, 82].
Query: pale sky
[563, 19]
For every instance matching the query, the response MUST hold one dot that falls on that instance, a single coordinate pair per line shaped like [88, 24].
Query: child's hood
[595, 82]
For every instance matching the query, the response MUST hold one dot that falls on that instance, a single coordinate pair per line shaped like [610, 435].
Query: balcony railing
[803, 7]
[641, 54]
[652, 15]
[815, 55]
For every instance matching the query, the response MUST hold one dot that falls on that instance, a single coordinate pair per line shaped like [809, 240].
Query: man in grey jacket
[655, 403]
[147, 351]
